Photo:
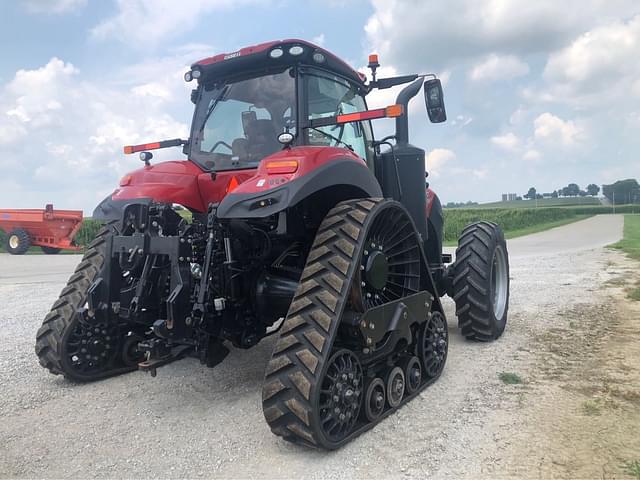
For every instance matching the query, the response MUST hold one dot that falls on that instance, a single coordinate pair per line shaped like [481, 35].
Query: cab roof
[259, 57]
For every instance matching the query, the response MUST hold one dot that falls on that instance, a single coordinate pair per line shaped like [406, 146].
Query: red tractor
[303, 226]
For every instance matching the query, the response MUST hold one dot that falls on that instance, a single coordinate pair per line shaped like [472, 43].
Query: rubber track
[306, 337]
[50, 334]
[471, 280]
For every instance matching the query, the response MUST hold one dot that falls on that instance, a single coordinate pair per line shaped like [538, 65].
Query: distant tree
[622, 191]
[554, 194]
[573, 190]
[531, 194]
[519, 198]
[539, 197]
[593, 189]
[582, 193]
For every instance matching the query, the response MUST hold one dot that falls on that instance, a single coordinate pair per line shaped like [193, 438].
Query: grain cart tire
[18, 242]
[481, 281]
[66, 344]
[51, 250]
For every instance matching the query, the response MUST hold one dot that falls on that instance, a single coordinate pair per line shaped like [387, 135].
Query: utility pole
[614, 201]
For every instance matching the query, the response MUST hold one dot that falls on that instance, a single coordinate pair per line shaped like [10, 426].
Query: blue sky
[538, 93]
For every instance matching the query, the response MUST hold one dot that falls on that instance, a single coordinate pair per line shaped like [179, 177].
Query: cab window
[328, 96]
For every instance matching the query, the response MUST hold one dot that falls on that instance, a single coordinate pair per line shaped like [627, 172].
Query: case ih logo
[231, 55]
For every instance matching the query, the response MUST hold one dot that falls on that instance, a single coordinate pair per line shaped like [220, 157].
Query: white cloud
[555, 131]
[532, 155]
[432, 33]
[318, 40]
[509, 141]
[498, 67]
[147, 22]
[436, 160]
[68, 133]
[53, 6]
[598, 57]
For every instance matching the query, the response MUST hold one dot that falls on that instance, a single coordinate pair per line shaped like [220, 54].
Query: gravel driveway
[191, 421]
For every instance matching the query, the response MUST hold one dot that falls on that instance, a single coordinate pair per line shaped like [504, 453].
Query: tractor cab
[245, 100]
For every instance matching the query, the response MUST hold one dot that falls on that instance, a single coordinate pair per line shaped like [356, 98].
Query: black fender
[345, 172]
[109, 209]
[435, 231]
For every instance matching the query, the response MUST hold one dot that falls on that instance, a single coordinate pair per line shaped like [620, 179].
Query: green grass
[543, 202]
[633, 468]
[510, 378]
[630, 244]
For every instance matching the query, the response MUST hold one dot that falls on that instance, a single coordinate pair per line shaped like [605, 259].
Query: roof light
[188, 77]
[276, 53]
[196, 73]
[318, 57]
[281, 166]
[373, 60]
[296, 50]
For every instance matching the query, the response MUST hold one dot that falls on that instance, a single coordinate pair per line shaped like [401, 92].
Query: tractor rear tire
[18, 242]
[60, 328]
[481, 282]
[51, 250]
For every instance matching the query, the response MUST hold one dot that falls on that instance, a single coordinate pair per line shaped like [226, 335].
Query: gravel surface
[191, 421]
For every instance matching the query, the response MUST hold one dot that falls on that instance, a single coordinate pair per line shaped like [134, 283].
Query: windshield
[237, 125]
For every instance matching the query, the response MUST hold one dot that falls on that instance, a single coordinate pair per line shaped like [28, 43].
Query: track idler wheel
[340, 396]
[434, 345]
[395, 387]
[412, 374]
[374, 399]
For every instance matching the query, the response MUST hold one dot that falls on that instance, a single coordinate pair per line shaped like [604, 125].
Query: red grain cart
[52, 230]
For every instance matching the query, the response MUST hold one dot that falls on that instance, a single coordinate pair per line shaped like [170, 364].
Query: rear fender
[319, 169]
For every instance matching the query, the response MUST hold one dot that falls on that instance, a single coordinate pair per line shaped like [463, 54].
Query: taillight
[281, 166]
[233, 184]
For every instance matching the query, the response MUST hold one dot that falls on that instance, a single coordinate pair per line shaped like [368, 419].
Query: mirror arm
[402, 122]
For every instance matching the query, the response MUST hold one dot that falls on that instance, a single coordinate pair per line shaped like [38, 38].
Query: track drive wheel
[346, 264]
[481, 281]
[18, 242]
[70, 344]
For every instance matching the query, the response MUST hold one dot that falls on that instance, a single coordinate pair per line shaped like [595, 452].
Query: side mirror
[434, 99]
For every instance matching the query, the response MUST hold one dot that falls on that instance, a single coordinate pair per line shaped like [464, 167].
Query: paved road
[191, 421]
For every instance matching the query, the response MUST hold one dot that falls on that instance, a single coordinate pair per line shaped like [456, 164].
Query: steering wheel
[225, 144]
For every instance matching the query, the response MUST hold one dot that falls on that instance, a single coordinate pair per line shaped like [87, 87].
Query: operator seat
[262, 138]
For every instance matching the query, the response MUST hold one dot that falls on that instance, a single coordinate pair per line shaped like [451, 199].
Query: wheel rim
[390, 263]
[14, 241]
[434, 344]
[340, 396]
[499, 282]
[413, 374]
[395, 386]
[90, 348]
[375, 399]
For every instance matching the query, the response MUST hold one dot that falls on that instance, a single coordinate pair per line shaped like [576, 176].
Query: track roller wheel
[412, 374]
[434, 345]
[374, 399]
[395, 387]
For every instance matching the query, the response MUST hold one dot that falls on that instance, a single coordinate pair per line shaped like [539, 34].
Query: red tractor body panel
[186, 184]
